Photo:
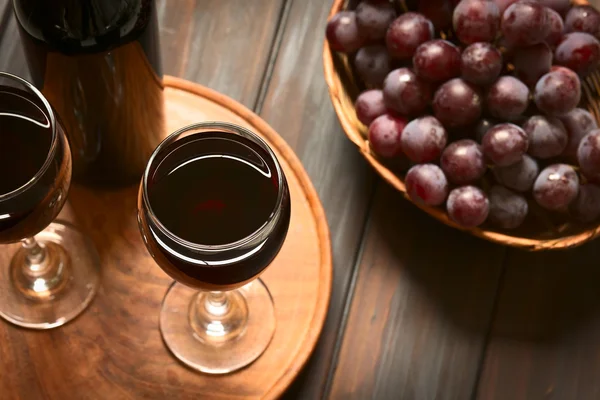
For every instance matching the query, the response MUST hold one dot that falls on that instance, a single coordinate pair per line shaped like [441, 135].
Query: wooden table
[418, 310]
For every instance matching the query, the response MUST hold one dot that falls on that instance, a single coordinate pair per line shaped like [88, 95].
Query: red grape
[369, 105]
[503, 5]
[519, 176]
[481, 129]
[437, 60]
[507, 208]
[406, 33]
[588, 155]
[481, 63]
[372, 65]
[437, 11]
[583, 19]
[427, 184]
[525, 23]
[468, 206]
[507, 98]
[405, 92]
[385, 133]
[463, 162]
[547, 136]
[556, 187]
[578, 51]
[342, 32]
[476, 21]
[423, 139]
[586, 207]
[559, 6]
[457, 103]
[532, 62]
[505, 144]
[557, 28]
[578, 123]
[374, 19]
[558, 92]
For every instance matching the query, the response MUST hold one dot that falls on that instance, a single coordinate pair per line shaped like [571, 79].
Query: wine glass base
[217, 356]
[41, 306]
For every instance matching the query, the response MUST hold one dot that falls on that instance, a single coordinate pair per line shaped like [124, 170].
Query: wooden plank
[421, 308]
[5, 12]
[297, 105]
[224, 45]
[545, 339]
[13, 56]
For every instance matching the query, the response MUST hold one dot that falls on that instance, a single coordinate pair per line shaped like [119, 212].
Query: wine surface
[25, 143]
[25, 139]
[215, 189]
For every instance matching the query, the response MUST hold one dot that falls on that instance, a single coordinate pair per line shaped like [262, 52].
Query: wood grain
[114, 349]
[545, 339]
[12, 57]
[192, 32]
[223, 45]
[298, 107]
[421, 308]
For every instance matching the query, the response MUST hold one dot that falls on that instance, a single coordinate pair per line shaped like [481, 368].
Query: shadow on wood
[452, 271]
[544, 340]
[548, 295]
[88, 207]
[421, 309]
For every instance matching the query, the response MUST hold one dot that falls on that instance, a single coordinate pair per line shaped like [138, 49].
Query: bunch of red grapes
[481, 97]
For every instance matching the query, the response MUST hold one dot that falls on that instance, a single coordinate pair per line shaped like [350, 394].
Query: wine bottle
[98, 63]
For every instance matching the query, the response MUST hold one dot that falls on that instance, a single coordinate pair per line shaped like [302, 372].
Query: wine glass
[214, 211]
[49, 270]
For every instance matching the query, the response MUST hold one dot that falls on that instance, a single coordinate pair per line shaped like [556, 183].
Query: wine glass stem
[39, 271]
[217, 304]
[218, 317]
[36, 255]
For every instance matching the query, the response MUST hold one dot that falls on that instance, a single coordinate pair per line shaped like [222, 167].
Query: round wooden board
[114, 350]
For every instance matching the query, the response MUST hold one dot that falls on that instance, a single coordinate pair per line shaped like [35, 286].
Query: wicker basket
[343, 91]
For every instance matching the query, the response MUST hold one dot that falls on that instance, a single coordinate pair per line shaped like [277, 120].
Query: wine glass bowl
[202, 275]
[214, 210]
[39, 156]
[52, 275]
[238, 258]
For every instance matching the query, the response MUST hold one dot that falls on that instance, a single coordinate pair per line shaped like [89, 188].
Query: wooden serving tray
[114, 349]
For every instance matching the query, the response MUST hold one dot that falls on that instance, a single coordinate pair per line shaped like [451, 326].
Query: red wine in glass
[214, 190]
[214, 211]
[50, 274]
[26, 148]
